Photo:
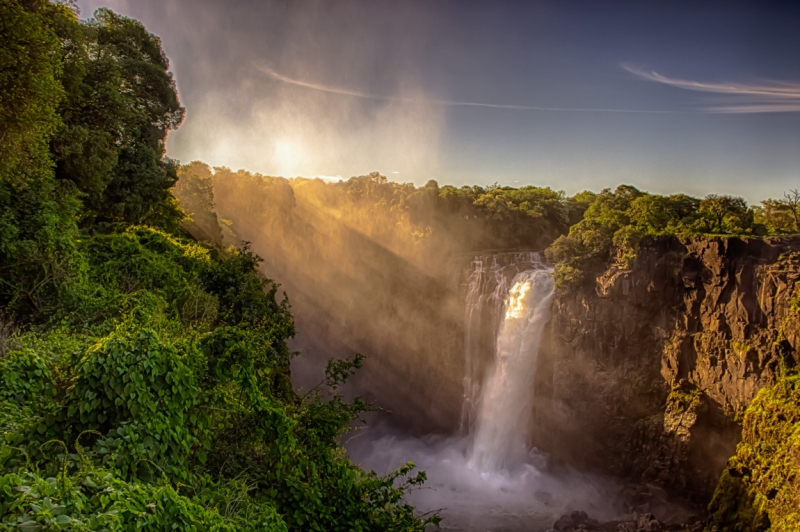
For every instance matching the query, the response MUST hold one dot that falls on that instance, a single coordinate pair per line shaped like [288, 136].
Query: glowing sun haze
[676, 96]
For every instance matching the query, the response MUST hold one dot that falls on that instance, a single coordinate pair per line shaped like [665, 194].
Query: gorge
[188, 347]
[641, 381]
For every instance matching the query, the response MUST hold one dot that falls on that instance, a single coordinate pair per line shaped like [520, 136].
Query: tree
[724, 215]
[792, 201]
[121, 102]
[36, 215]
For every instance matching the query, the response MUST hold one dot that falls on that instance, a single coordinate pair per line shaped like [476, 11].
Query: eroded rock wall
[647, 373]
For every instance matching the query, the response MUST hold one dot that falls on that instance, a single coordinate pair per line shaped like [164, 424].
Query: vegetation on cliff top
[143, 376]
[616, 222]
[583, 234]
[428, 222]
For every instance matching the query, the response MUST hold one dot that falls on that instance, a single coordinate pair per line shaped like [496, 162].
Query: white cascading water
[507, 398]
[487, 289]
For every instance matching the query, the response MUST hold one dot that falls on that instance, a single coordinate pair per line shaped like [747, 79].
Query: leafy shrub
[26, 376]
[100, 500]
[154, 395]
[134, 388]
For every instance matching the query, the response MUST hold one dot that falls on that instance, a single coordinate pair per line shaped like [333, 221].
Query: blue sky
[691, 97]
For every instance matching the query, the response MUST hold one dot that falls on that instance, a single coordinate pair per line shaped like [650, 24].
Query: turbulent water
[486, 478]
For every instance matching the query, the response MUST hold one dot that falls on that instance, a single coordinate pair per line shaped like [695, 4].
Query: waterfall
[486, 478]
[487, 286]
[497, 412]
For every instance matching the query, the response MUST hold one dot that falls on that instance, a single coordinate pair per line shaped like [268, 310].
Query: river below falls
[526, 497]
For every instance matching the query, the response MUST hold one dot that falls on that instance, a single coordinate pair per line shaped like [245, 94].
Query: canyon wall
[646, 373]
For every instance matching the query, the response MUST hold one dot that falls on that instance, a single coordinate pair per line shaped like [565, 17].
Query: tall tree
[792, 201]
[37, 226]
[121, 102]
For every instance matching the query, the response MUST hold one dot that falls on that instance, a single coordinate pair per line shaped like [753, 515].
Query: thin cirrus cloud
[454, 103]
[766, 97]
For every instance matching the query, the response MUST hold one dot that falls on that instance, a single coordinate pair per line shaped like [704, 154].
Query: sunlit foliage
[144, 378]
[616, 222]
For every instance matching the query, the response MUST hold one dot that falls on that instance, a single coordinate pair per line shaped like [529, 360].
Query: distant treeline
[422, 219]
[581, 233]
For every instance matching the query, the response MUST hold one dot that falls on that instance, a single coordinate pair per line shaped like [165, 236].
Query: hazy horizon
[694, 99]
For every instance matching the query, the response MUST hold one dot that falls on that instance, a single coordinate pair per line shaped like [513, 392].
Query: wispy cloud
[454, 103]
[765, 97]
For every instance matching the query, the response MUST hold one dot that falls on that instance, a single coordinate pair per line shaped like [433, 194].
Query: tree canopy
[121, 102]
[616, 221]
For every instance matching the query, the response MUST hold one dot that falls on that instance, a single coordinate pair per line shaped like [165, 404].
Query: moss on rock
[760, 489]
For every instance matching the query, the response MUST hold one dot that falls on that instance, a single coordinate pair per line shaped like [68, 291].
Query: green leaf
[63, 519]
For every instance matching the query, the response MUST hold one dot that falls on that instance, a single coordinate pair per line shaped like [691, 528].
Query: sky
[693, 97]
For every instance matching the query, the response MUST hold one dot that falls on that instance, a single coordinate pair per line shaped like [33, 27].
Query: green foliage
[37, 226]
[134, 388]
[143, 258]
[29, 87]
[781, 216]
[760, 489]
[615, 223]
[121, 102]
[724, 215]
[242, 296]
[92, 101]
[26, 377]
[100, 500]
[138, 393]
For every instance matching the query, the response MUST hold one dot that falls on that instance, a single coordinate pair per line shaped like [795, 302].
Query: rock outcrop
[581, 522]
[648, 373]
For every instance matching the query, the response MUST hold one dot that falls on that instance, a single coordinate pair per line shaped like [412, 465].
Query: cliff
[647, 373]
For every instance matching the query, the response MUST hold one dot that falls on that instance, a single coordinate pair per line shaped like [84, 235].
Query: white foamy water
[525, 497]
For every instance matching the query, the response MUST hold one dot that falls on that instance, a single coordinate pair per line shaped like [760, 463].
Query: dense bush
[158, 415]
[760, 488]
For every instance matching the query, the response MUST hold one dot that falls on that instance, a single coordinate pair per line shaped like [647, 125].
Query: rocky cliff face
[647, 373]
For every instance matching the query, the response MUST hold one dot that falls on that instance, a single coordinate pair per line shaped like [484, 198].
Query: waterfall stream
[487, 287]
[507, 397]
